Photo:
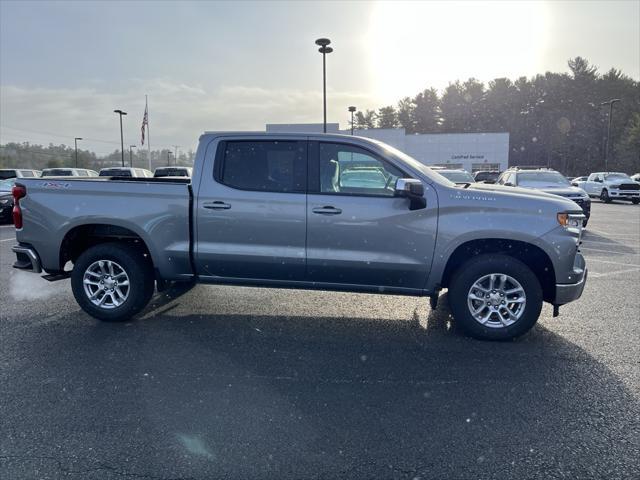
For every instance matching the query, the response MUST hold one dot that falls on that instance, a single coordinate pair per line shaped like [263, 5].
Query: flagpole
[146, 105]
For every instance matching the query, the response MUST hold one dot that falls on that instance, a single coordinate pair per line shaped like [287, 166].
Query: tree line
[553, 119]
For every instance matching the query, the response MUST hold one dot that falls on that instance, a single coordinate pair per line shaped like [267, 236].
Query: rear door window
[269, 166]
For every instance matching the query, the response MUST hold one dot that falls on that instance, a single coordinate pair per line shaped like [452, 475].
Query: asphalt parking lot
[225, 382]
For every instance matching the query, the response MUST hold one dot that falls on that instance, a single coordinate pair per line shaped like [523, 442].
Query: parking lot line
[613, 263]
[616, 272]
[608, 251]
[8, 240]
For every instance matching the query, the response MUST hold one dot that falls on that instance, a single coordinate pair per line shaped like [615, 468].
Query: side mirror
[574, 184]
[598, 180]
[409, 186]
[509, 184]
[412, 189]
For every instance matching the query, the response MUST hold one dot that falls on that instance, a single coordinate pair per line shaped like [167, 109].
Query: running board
[57, 276]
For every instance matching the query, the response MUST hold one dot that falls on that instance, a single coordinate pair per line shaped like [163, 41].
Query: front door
[358, 231]
[251, 211]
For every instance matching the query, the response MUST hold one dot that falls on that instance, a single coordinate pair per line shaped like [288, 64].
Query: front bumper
[568, 292]
[624, 194]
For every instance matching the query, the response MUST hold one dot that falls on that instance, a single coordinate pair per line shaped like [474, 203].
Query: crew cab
[608, 186]
[307, 211]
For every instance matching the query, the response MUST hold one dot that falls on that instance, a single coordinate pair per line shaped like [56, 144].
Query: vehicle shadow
[278, 396]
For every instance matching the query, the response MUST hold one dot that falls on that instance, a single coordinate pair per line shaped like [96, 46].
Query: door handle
[217, 205]
[327, 210]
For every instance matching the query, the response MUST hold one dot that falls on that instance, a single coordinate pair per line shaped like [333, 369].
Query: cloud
[179, 112]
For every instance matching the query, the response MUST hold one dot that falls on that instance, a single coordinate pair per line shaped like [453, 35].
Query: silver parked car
[328, 212]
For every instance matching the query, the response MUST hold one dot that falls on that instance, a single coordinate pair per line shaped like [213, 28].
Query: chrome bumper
[27, 259]
[568, 292]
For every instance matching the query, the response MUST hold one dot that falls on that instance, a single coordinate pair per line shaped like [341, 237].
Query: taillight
[18, 192]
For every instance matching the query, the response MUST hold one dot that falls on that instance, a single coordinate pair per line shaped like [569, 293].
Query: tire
[101, 267]
[505, 270]
[585, 222]
[635, 201]
[604, 196]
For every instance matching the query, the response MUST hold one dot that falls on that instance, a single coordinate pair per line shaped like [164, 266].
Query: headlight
[4, 202]
[572, 222]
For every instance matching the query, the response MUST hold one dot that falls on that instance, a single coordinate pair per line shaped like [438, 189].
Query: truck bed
[157, 210]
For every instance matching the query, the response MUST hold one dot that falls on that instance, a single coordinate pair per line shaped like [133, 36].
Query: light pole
[324, 50]
[121, 113]
[168, 158]
[352, 110]
[131, 147]
[606, 150]
[75, 140]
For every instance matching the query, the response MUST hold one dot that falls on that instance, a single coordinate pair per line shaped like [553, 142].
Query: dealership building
[470, 151]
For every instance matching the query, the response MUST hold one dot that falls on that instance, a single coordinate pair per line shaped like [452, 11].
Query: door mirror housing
[509, 184]
[598, 180]
[409, 186]
[413, 190]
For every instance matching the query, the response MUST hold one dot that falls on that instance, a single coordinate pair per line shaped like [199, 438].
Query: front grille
[629, 186]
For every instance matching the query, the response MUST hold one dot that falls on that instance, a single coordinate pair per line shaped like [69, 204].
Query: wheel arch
[81, 237]
[529, 254]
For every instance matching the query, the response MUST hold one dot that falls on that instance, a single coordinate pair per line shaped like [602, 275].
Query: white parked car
[173, 172]
[610, 186]
[6, 173]
[68, 172]
[125, 172]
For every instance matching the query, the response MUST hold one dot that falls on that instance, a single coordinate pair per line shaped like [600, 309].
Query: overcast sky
[65, 66]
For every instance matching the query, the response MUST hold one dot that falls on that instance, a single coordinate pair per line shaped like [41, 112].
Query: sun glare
[414, 45]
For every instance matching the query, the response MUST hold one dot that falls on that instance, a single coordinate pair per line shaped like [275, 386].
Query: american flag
[145, 121]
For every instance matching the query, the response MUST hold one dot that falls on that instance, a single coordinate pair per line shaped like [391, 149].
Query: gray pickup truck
[325, 212]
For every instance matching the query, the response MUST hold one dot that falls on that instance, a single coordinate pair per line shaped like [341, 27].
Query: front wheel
[495, 297]
[635, 201]
[604, 196]
[112, 281]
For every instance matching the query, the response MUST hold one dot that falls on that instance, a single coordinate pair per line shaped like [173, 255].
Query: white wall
[459, 150]
[466, 150]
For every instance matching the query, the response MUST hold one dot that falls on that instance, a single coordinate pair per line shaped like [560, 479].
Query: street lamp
[168, 158]
[352, 110]
[606, 150]
[121, 113]
[324, 50]
[75, 140]
[131, 154]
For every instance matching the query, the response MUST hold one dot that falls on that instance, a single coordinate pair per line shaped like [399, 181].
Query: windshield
[617, 176]
[7, 185]
[458, 177]
[116, 172]
[540, 179]
[412, 162]
[57, 172]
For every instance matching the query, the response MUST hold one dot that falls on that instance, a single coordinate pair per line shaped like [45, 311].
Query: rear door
[251, 210]
[358, 231]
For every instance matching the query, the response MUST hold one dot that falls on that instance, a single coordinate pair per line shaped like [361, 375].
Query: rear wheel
[604, 196]
[112, 282]
[495, 297]
[635, 201]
